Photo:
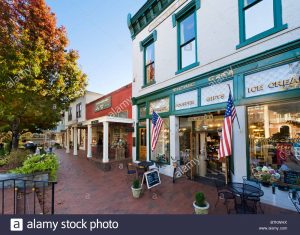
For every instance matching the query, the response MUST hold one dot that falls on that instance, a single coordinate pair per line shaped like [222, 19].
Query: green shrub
[16, 158]
[200, 199]
[57, 146]
[40, 163]
[2, 162]
[2, 152]
[136, 184]
[266, 178]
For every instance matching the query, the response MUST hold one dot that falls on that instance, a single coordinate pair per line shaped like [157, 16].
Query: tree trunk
[15, 134]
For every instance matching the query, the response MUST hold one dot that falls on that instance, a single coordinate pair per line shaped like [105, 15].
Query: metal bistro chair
[223, 193]
[131, 171]
[254, 199]
[140, 170]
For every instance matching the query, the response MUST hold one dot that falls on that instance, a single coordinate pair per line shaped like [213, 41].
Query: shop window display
[118, 142]
[161, 154]
[274, 143]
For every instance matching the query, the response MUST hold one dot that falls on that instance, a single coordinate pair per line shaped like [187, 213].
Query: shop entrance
[200, 135]
[142, 144]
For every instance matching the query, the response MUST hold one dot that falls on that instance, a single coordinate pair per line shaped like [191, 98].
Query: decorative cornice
[146, 14]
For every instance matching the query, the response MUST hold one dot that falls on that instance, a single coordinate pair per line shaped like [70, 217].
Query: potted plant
[136, 188]
[266, 180]
[200, 205]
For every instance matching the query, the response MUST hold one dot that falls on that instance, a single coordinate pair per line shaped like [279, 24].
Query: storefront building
[187, 55]
[75, 131]
[110, 126]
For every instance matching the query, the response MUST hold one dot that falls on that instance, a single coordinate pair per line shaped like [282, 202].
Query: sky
[98, 30]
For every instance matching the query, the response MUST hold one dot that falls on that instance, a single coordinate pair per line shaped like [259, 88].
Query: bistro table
[245, 191]
[146, 164]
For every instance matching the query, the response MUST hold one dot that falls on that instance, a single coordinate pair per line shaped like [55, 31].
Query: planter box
[9, 179]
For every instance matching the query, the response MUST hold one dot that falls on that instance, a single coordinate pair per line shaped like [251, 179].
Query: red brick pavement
[84, 189]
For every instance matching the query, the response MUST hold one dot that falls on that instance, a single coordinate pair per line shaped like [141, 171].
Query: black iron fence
[25, 196]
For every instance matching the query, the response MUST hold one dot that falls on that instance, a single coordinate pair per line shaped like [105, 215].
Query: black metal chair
[131, 172]
[224, 194]
[254, 199]
[140, 172]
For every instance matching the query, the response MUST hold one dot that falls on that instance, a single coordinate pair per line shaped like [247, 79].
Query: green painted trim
[180, 16]
[288, 55]
[262, 35]
[247, 144]
[143, 47]
[148, 84]
[278, 25]
[283, 53]
[187, 9]
[174, 20]
[198, 4]
[134, 100]
[148, 40]
[191, 66]
[138, 110]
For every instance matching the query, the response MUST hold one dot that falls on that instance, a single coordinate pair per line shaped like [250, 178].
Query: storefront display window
[274, 143]
[142, 112]
[161, 153]
[118, 142]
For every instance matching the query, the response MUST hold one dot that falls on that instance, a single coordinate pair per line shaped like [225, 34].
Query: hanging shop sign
[160, 106]
[282, 78]
[167, 13]
[95, 122]
[103, 104]
[186, 100]
[184, 87]
[216, 93]
[201, 118]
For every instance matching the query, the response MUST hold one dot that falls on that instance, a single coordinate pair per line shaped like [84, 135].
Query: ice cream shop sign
[282, 78]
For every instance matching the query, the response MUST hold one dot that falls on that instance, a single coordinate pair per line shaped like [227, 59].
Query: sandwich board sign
[152, 178]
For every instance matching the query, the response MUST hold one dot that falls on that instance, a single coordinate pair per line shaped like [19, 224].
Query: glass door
[142, 144]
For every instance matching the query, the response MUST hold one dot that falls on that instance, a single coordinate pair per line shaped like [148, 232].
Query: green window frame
[146, 44]
[177, 19]
[278, 25]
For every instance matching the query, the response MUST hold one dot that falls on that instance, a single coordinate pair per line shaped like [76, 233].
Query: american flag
[157, 122]
[226, 138]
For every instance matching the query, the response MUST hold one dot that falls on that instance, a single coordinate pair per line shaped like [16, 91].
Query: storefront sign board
[282, 78]
[216, 93]
[152, 178]
[186, 100]
[103, 104]
[160, 106]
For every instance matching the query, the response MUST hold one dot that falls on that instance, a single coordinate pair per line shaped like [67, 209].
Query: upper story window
[254, 24]
[149, 64]
[78, 110]
[70, 114]
[187, 45]
[186, 21]
[147, 46]
[259, 19]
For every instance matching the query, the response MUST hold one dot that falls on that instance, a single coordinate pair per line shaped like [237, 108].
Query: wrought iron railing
[23, 196]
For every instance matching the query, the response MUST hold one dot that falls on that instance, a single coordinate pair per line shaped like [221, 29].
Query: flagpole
[237, 118]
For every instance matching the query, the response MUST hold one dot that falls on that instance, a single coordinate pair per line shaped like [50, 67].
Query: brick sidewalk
[84, 189]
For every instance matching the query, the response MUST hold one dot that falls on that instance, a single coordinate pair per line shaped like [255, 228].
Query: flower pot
[136, 192]
[201, 210]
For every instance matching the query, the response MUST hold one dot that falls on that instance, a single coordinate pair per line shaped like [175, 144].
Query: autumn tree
[39, 78]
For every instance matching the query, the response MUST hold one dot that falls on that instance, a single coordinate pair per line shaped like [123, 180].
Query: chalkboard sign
[152, 178]
[290, 177]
